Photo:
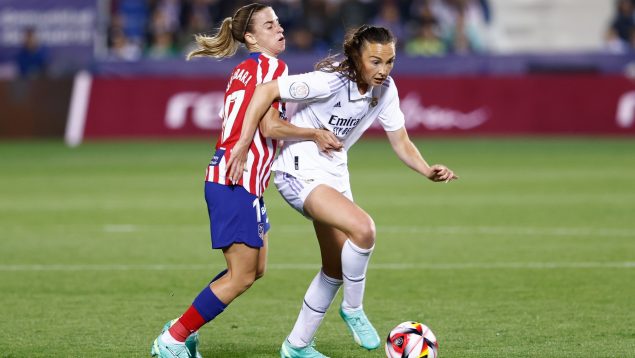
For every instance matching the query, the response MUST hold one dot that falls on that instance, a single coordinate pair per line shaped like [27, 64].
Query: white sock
[354, 266]
[317, 300]
[167, 338]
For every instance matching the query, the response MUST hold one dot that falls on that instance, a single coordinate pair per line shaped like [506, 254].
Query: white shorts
[296, 190]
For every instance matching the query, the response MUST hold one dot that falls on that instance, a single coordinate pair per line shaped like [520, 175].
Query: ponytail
[221, 45]
[229, 36]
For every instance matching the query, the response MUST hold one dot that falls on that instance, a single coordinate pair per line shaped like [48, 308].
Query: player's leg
[242, 266]
[323, 287]
[239, 227]
[331, 208]
[262, 258]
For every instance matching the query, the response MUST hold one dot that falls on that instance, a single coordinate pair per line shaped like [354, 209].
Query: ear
[250, 39]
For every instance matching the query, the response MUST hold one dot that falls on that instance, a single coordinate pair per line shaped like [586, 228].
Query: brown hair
[229, 36]
[353, 45]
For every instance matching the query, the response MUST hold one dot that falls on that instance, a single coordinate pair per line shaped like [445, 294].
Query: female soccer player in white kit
[345, 98]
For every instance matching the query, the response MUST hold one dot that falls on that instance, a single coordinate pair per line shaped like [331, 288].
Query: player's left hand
[441, 173]
[236, 163]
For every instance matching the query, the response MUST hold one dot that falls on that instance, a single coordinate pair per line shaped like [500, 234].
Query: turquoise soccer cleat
[363, 331]
[191, 342]
[289, 351]
[161, 349]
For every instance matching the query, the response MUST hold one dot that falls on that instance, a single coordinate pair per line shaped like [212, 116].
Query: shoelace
[361, 323]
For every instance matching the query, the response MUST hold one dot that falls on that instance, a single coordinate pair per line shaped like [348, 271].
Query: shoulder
[249, 64]
[389, 83]
[388, 89]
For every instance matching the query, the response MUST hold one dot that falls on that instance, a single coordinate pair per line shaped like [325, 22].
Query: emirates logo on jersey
[342, 126]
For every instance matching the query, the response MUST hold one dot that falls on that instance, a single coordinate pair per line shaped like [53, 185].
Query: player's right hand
[327, 141]
[237, 161]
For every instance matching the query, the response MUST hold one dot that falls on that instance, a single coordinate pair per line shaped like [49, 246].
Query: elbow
[266, 131]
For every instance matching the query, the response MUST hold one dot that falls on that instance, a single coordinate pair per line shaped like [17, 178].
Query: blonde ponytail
[221, 45]
[229, 36]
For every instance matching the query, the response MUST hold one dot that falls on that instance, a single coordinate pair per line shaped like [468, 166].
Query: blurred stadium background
[115, 68]
[105, 132]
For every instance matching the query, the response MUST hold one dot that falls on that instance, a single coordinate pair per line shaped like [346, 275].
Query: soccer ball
[411, 340]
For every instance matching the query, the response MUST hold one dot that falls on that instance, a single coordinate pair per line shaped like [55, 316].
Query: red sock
[190, 322]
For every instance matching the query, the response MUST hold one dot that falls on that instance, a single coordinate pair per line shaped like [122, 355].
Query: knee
[363, 234]
[260, 273]
[243, 281]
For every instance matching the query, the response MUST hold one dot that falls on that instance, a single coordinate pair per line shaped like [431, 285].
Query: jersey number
[256, 204]
[233, 102]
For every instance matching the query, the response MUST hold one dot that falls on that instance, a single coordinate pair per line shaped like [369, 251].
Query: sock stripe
[358, 250]
[354, 279]
[313, 309]
[329, 280]
[208, 305]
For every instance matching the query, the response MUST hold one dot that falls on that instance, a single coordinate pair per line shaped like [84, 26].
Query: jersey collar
[353, 92]
[257, 54]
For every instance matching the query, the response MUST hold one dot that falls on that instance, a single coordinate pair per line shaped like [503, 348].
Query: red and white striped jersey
[256, 69]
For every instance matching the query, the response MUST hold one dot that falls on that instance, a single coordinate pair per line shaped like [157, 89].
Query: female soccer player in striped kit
[345, 98]
[238, 217]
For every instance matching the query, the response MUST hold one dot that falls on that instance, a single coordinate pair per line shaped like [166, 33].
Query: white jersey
[332, 101]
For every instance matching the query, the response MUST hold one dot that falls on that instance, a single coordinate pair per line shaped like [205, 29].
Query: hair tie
[362, 29]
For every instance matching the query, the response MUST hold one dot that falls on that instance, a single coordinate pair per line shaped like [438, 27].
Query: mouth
[380, 79]
[281, 38]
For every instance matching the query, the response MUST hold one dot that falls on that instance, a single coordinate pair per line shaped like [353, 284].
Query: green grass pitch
[530, 254]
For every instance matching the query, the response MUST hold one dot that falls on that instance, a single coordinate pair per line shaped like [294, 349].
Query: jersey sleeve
[304, 87]
[391, 117]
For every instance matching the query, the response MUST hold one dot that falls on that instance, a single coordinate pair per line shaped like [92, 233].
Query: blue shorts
[235, 215]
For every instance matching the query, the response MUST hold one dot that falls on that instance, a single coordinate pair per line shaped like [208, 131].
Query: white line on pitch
[291, 266]
[406, 229]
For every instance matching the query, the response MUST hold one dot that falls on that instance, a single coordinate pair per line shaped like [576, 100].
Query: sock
[354, 266]
[317, 300]
[206, 307]
[220, 274]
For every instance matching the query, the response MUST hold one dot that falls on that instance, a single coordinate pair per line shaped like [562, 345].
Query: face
[377, 62]
[267, 34]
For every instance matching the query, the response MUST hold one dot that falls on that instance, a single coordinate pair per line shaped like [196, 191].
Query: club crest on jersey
[299, 90]
[220, 152]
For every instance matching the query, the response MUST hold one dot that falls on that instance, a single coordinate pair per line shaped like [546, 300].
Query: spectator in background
[311, 25]
[301, 40]
[426, 41]
[32, 58]
[462, 24]
[162, 46]
[195, 23]
[620, 34]
[122, 48]
[390, 18]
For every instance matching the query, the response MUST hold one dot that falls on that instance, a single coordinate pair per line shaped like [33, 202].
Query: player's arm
[261, 100]
[272, 126]
[410, 155]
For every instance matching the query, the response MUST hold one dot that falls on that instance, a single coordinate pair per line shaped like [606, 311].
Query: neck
[363, 88]
[264, 51]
